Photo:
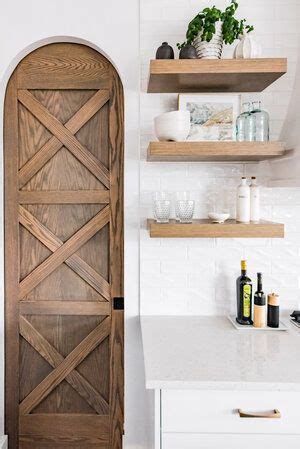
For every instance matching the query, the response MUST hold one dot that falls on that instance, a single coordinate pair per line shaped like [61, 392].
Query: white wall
[197, 276]
[113, 27]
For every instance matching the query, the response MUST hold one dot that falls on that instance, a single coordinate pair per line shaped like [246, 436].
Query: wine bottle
[259, 304]
[244, 296]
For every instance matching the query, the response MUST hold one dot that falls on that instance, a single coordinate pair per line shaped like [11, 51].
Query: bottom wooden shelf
[206, 229]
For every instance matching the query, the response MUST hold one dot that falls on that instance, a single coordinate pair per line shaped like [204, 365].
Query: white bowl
[217, 217]
[174, 125]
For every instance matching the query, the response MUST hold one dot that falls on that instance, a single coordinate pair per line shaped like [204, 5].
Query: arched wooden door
[63, 150]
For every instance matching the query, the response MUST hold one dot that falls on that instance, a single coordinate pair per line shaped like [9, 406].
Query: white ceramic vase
[247, 48]
[174, 125]
[212, 49]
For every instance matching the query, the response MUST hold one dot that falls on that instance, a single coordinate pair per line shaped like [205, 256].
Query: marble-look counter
[209, 353]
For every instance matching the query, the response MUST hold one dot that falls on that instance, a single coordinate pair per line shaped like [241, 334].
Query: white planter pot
[247, 48]
[174, 125]
[212, 49]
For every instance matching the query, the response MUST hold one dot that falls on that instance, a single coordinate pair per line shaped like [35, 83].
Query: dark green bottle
[244, 297]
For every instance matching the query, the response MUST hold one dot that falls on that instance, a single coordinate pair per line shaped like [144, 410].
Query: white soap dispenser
[243, 202]
[254, 200]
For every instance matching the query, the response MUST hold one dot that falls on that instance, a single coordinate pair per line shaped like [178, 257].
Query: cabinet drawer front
[201, 441]
[199, 411]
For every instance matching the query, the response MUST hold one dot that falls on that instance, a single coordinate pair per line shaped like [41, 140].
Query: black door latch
[119, 303]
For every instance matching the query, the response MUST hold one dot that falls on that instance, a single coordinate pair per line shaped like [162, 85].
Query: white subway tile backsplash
[150, 266]
[179, 266]
[209, 170]
[197, 281]
[163, 253]
[197, 276]
[163, 280]
[214, 253]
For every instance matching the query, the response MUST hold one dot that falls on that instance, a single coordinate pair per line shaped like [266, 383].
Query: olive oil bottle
[244, 297]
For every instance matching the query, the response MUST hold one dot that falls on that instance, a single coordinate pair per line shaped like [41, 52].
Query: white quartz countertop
[209, 353]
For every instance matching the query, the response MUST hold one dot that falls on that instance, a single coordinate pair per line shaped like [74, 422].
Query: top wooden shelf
[214, 75]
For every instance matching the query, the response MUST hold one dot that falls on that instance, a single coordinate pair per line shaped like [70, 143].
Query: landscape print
[211, 119]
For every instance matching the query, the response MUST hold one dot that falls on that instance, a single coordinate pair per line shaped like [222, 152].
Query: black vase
[165, 51]
[188, 52]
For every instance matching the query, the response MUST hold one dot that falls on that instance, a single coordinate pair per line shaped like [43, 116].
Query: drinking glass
[161, 207]
[185, 210]
[180, 196]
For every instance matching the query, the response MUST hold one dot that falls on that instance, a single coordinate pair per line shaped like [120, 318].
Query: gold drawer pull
[273, 414]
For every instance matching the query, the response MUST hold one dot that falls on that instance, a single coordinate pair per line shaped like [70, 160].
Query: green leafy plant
[205, 22]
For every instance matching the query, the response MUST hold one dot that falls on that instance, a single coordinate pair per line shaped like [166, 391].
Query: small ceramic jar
[165, 51]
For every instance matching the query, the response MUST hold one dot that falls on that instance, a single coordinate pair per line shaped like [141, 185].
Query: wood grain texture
[51, 241]
[11, 254]
[64, 248]
[116, 380]
[206, 229]
[53, 145]
[64, 252]
[65, 136]
[64, 308]
[67, 430]
[54, 358]
[65, 367]
[116, 139]
[222, 75]
[62, 425]
[64, 66]
[214, 151]
[64, 197]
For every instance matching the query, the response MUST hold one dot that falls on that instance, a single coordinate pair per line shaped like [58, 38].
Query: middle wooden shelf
[214, 151]
[204, 228]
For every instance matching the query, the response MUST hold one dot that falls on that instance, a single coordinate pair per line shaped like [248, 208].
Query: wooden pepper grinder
[273, 310]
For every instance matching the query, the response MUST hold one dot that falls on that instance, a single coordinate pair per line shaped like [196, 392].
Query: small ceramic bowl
[218, 217]
[174, 125]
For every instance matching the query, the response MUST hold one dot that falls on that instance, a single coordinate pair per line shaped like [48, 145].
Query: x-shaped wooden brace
[64, 252]
[63, 135]
[64, 368]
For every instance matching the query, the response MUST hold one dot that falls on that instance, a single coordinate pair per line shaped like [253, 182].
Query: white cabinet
[225, 441]
[196, 419]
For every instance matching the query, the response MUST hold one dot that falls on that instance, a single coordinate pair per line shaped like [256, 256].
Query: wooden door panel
[73, 109]
[64, 251]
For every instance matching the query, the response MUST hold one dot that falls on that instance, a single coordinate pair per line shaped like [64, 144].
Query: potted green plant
[211, 27]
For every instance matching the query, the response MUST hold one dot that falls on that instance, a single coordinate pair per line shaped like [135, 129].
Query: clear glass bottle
[250, 126]
[261, 122]
[241, 122]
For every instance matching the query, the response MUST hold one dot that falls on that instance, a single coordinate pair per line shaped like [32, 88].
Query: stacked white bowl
[174, 125]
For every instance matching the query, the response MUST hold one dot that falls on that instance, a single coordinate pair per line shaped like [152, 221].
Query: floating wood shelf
[207, 229]
[215, 75]
[214, 151]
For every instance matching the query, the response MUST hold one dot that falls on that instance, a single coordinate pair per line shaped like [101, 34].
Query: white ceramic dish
[174, 125]
[218, 217]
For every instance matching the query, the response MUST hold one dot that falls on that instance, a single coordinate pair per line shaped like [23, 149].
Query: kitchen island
[216, 386]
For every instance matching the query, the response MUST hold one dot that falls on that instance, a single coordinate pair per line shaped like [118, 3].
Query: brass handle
[273, 414]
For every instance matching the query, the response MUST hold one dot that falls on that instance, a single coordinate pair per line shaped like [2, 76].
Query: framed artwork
[213, 117]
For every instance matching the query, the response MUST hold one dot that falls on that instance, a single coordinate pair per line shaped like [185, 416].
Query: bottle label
[247, 301]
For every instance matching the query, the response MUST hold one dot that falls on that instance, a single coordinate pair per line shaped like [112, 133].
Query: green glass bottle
[244, 297]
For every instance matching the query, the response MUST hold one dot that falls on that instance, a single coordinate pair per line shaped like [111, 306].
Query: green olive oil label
[247, 300]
